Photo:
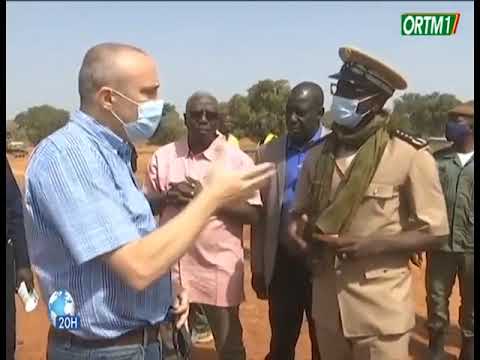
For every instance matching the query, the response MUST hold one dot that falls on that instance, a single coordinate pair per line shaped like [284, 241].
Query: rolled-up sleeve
[426, 196]
[75, 196]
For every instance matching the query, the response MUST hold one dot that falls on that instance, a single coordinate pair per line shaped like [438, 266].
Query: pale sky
[225, 47]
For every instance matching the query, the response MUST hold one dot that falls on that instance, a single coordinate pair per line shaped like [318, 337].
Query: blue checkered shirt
[82, 201]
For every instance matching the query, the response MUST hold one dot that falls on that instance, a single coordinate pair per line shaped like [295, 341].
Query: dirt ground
[32, 328]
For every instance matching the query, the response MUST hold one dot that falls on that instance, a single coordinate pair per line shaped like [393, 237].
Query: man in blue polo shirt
[279, 272]
[90, 230]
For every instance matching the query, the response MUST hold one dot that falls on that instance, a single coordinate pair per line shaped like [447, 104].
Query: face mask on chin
[149, 115]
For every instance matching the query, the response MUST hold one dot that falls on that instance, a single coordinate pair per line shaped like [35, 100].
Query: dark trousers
[10, 327]
[197, 319]
[290, 297]
[10, 305]
[226, 329]
[442, 269]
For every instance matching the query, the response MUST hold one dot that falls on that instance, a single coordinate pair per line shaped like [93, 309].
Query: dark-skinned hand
[25, 274]
[258, 285]
[197, 185]
[186, 190]
[180, 194]
[417, 259]
[296, 244]
[348, 246]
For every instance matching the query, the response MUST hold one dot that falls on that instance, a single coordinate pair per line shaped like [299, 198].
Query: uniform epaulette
[415, 141]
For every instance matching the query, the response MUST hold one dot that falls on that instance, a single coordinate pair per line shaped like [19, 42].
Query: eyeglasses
[210, 115]
[348, 90]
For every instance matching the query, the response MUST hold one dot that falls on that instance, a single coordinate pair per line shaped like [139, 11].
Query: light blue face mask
[148, 120]
[345, 111]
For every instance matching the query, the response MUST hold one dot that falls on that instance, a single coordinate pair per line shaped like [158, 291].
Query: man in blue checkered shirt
[90, 230]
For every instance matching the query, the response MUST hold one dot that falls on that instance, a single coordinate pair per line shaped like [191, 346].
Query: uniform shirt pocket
[381, 191]
[384, 197]
[384, 272]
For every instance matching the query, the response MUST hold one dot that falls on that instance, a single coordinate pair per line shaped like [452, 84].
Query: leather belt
[143, 336]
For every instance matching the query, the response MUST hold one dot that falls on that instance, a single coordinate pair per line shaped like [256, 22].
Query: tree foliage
[423, 115]
[40, 121]
[260, 111]
[171, 127]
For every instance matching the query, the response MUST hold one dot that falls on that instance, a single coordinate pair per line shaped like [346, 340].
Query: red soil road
[32, 328]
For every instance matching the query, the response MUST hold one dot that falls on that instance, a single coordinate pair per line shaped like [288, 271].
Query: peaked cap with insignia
[359, 65]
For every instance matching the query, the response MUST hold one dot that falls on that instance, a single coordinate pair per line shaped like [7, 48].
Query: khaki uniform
[364, 308]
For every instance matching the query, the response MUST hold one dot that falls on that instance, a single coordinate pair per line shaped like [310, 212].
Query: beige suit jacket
[265, 235]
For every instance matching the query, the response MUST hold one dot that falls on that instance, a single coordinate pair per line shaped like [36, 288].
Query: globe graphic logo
[60, 304]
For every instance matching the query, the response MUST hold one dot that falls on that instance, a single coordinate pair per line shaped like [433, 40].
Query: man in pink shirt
[212, 270]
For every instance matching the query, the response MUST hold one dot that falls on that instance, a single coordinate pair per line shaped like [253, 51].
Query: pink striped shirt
[213, 268]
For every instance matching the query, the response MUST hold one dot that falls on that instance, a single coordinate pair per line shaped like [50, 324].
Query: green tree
[423, 115]
[239, 109]
[171, 127]
[267, 100]
[261, 111]
[223, 107]
[14, 133]
[40, 121]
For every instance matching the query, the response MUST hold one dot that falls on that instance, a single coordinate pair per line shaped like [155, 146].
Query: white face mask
[345, 111]
[149, 115]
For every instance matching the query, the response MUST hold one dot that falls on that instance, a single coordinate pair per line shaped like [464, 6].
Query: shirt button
[338, 272]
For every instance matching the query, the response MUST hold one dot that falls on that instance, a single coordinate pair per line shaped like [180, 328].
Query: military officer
[367, 199]
[455, 258]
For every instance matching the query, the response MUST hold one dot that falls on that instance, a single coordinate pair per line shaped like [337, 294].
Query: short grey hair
[98, 68]
[198, 94]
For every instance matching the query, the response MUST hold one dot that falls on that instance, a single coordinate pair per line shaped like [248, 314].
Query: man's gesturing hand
[226, 185]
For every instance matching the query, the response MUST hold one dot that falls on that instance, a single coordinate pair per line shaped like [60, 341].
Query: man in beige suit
[368, 197]
[278, 274]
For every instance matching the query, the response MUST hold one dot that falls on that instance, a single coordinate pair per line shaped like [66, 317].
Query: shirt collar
[451, 155]
[470, 159]
[104, 135]
[209, 153]
[316, 138]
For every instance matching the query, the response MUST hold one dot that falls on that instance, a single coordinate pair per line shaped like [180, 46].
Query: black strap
[182, 342]
[133, 160]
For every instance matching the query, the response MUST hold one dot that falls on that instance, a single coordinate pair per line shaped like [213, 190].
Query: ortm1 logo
[415, 24]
